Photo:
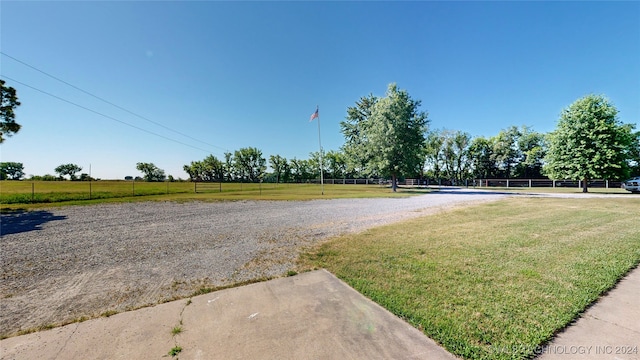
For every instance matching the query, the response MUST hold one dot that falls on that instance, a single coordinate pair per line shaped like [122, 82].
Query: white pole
[321, 160]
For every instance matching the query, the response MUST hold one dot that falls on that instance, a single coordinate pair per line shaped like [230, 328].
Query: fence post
[195, 187]
[89, 189]
[607, 183]
[33, 192]
[133, 187]
[529, 182]
[507, 183]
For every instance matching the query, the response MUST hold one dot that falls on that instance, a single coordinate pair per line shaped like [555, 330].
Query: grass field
[26, 194]
[504, 275]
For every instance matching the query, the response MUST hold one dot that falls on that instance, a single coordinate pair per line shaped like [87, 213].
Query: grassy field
[492, 281]
[26, 194]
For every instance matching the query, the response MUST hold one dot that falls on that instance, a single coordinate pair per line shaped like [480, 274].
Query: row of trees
[512, 153]
[387, 137]
[15, 171]
[249, 165]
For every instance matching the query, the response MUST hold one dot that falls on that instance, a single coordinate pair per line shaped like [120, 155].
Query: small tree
[68, 169]
[8, 103]
[12, 170]
[150, 171]
[590, 143]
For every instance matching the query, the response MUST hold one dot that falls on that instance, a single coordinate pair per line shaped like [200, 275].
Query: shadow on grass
[24, 221]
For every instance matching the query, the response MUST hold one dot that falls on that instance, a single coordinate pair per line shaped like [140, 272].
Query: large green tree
[151, 171]
[249, 164]
[68, 169]
[279, 165]
[353, 129]
[590, 142]
[209, 169]
[392, 138]
[483, 165]
[456, 155]
[12, 170]
[8, 103]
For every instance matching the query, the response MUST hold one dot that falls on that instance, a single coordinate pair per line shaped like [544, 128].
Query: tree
[455, 152]
[532, 150]
[634, 157]
[229, 171]
[68, 169]
[392, 138]
[433, 153]
[12, 170]
[481, 155]
[506, 153]
[279, 165]
[209, 169]
[249, 164]
[590, 142]
[336, 164]
[8, 103]
[150, 171]
[300, 169]
[352, 128]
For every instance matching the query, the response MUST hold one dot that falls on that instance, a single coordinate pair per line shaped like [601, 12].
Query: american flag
[314, 115]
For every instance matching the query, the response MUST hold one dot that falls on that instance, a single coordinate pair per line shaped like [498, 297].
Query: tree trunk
[584, 186]
[394, 182]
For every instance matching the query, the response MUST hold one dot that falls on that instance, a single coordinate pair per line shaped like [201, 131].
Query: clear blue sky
[239, 74]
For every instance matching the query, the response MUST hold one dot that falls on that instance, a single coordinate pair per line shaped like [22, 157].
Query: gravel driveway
[65, 263]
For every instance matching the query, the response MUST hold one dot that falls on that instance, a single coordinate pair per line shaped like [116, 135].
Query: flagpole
[321, 162]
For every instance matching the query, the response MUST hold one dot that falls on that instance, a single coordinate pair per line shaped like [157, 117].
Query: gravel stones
[61, 264]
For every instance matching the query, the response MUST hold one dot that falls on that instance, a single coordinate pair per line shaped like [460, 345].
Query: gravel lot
[62, 264]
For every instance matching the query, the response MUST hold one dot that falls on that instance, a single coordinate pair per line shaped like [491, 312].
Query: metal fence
[600, 183]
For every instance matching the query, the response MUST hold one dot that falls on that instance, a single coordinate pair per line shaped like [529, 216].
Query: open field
[503, 275]
[65, 264]
[24, 194]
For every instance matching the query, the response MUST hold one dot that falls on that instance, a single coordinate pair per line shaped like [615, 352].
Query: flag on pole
[314, 115]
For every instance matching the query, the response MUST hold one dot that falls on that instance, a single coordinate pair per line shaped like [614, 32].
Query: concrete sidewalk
[610, 329]
[309, 316]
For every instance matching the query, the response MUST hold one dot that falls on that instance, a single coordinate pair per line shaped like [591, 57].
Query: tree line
[388, 137]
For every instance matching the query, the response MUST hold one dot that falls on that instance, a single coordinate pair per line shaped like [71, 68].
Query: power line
[109, 102]
[103, 115]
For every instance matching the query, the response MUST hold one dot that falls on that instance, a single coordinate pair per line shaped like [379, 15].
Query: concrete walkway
[610, 329]
[309, 316]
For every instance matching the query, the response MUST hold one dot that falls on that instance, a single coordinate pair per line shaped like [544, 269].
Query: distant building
[128, 178]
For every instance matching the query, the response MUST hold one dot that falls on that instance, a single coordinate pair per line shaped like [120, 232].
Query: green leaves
[8, 103]
[150, 171]
[385, 136]
[590, 142]
[13, 170]
[68, 169]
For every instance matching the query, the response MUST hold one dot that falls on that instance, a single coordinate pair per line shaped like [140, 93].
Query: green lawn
[503, 275]
[27, 194]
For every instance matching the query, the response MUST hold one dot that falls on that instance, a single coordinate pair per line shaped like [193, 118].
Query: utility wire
[109, 102]
[103, 115]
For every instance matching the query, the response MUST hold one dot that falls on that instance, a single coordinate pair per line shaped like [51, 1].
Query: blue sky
[239, 74]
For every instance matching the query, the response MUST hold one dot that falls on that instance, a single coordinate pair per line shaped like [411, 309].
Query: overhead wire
[108, 102]
[103, 115]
